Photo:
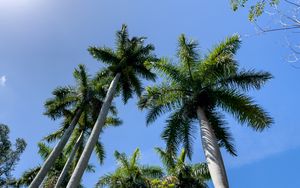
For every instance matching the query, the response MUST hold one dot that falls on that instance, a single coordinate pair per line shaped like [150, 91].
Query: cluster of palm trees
[134, 175]
[195, 89]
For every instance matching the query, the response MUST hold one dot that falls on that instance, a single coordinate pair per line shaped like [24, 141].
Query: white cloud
[253, 146]
[2, 80]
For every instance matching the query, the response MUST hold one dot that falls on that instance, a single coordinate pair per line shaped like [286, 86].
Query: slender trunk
[55, 152]
[69, 162]
[212, 152]
[86, 154]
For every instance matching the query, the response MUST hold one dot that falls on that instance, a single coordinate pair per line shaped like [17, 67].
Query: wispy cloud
[254, 147]
[2, 80]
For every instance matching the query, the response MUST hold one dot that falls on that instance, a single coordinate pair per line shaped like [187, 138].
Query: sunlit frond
[243, 109]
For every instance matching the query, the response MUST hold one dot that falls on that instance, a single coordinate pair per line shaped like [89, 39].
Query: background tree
[276, 16]
[197, 89]
[257, 7]
[127, 64]
[182, 174]
[130, 173]
[8, 155]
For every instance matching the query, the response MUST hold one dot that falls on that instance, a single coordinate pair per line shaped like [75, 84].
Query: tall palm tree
[200, 88]
[72, 102]
[130, 173]
[181, 174]
[54, 172]
[127, 64]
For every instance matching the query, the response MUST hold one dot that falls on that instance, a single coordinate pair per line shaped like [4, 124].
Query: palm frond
[55, 135]
[99, 149]
[73, 139]
[187, 137]
[246, 80]
[187, 50]
[221, 131]
[44, 150]
[166, 158]
[126, 88]
[122, 159]
[103, 54]
[227, 47]
[60, 104]
[182, 156]
[135, 83]
[201, 171]
[90, 168]
[134, 158]
[112, 122]
[170, 71]
[122, 39]
[243, 109]
[152, 171]
[83, 80]
[27, 177]
[159, 100]
[172, 132]
[104, 181]
[220, 61]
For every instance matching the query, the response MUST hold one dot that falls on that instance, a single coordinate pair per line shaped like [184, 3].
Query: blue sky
[41, 42]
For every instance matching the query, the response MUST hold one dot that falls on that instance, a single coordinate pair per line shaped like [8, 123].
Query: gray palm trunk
[55, 152]
[212, 152]
[69, 162]
[86, 154]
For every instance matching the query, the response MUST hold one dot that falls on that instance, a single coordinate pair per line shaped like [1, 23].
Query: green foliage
[9, 156]
[213, 83]
[158, 183]
[130, 59]
[130, 173]
[88, 96]
[180, 173]
[85, 126]
[256, 9]
[51, 178]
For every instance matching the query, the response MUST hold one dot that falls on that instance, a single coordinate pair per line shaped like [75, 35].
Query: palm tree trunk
[212, 152]
[86, 154]
[55, 152]
[69, 162]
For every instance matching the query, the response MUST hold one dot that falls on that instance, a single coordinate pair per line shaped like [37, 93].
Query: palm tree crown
[180, 173]
[86, 95]
[130, 59]
[214, 83]
[130, 173]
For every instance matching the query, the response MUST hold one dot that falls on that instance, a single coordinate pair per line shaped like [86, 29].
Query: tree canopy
[9, 155]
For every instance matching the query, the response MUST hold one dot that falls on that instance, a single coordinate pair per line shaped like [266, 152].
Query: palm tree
[181, 174]
[78, 139]
[199, 89]
[54, 172]
[126, 65]
[130, 173]
[72, 102]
